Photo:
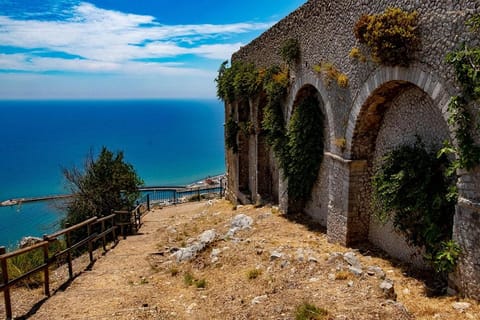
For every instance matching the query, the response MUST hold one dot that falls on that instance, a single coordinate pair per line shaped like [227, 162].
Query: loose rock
[461, 306]
[388, 289]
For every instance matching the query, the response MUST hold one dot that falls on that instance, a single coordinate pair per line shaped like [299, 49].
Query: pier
[12, 202]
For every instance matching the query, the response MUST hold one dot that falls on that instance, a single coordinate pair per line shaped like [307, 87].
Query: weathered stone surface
[461, 306]
[190, 252]
[388, 289]
[376, 271]
[276, 255]
[207, 236]
[352, 259]
[259, 299]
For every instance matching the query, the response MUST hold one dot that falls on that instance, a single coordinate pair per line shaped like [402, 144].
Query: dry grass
[229, 286]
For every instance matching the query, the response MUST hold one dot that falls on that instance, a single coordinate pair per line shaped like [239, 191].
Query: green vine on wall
[273, 124]
[304, 148]
[290, 51]
[411, 189]
[298, 148]
[231, 131]
[466, 63]
[392, 36]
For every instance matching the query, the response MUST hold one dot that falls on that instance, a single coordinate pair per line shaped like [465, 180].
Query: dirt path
[117, 286]
[265, 271]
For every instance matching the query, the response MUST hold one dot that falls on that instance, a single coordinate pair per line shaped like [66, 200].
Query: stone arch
[394, 107]
[384, 82]
[316, 207]
[309, 79]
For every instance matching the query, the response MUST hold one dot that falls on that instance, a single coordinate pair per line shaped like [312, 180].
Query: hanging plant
[304, 148]
[392, 36]
[231, 131]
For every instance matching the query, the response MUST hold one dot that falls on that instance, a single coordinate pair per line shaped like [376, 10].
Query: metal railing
[171, 196]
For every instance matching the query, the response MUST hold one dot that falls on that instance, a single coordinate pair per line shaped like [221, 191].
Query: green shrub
[331, 73]
[253, 274]
[308, 311]
[237, 82]
[411, 189]
[200, 283]
[446, 257]
[466, 62]
[392, 36]
[188, 279]
[290, 51]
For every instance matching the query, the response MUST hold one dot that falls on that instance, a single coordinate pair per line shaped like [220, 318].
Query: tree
[105, 184]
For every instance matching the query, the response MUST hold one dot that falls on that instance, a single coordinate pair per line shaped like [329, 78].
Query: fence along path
[118, 286]
[109, 225]
[95, 229]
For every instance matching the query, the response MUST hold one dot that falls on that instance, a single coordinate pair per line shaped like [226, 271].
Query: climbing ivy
[275, 85]
[304, 148]
[392, 36]
[231, 131]
[411, 189]
[466, 63]
[298, 148]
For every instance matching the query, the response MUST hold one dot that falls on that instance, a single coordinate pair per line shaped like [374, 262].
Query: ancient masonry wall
[381, 108]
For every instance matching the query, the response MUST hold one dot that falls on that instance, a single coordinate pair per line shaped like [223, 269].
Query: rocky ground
[208, 261]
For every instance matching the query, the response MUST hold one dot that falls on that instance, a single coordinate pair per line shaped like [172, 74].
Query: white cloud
[112, 41]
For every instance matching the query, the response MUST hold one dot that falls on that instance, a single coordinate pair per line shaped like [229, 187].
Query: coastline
[48, 215]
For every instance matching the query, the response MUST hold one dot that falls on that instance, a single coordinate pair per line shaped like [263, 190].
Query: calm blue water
[167, 142]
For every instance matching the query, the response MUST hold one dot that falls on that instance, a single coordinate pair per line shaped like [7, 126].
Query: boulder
[28, 241]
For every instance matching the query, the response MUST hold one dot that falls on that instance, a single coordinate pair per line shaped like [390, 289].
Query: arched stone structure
[359, 117]
[395, 112]
[316, 207]
[383, 83]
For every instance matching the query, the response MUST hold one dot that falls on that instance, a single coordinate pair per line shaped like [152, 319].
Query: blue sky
[124, 49]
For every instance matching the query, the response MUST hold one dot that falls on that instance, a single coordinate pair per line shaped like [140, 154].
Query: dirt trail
[117, 286]
[262, 272]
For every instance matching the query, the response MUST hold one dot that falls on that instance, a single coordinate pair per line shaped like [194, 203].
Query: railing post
[114, 231]
[6, 291]
[47, 266]
[69, 255]
[148, 202]
[104, 240]
[175, 197]
[198, 193]
[90, 244]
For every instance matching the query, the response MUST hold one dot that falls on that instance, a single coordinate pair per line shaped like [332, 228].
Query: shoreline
[207, 181]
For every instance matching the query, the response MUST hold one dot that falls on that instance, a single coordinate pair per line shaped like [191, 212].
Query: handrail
[136, 215]
[72, 228]
[23, 250]
[90, 238]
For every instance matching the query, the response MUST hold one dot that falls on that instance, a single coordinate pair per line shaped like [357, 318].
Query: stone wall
[381, 108]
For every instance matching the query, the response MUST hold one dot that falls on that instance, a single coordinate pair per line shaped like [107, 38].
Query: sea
[168, 142]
